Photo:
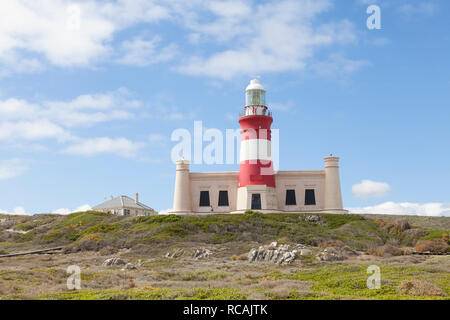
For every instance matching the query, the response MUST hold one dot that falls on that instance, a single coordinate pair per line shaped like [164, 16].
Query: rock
[312, 218]
[202, 254]
[129, 266]
[252, 255]
[177, 253]
[140, 263]
[113, 262]
[272, 253]
[305, 252]
[336, 254]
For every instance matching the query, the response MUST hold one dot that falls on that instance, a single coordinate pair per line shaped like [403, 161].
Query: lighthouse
[256, 184]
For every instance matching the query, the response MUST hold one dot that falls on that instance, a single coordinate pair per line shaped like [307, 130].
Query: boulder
[129, 266]
[202, 254]
[273, 253]
[305, 252]
[113, 262]
[177, 253]
[311, 218]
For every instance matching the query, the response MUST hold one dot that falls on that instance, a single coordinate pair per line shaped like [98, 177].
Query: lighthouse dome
[255, 94]
[255, 85]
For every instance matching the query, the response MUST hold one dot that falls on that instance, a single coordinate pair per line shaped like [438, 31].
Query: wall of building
[285, 180]
[214, 182]
[133, 211]
[300, 181]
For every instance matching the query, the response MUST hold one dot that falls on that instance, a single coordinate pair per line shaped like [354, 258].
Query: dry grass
[385, 251]
[241, 257]
[420, 288]
[333, 243]
[438, 246]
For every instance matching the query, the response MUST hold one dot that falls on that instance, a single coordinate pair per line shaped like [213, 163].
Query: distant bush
[446, 237]
[283, 240]
[331, 243]
[392, 227]
[403, 224]
[253, 214]
[385, 251]
[438, 246]
[241, 257]
[419, 288]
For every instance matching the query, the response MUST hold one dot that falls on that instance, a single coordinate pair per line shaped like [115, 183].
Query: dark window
[126, 212]
[256, 201]
[223, 199]
[204, 199]
[290, 198]
[310, 197]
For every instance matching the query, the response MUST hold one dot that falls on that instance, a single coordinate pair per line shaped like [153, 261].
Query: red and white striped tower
[256, 188]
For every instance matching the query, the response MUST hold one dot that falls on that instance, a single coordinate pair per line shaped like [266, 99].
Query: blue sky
[91, 91]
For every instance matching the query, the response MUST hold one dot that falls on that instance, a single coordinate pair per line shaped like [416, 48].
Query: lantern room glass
[255, 98]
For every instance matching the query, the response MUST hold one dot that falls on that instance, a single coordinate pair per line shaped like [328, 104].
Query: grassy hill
[91, 237]
[93, 230]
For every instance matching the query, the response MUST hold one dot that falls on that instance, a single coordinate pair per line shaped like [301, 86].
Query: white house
[125, 206]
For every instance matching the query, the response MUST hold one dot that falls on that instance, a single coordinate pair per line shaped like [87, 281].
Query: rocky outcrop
[175, 254]
[202, 254]
[305, 252]
[312, 218]
[281, 254]
[336, 254]
[113, 262]
[129, 266]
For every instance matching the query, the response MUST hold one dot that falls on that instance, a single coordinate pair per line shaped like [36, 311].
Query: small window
[310, 197]
[290, 198]
[223, 198]
[126, 212]
[204, 199]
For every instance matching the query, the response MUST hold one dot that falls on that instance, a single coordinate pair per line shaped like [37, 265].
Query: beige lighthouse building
[256, 186]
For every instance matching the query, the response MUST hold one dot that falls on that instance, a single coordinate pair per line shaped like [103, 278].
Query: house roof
[121, 202]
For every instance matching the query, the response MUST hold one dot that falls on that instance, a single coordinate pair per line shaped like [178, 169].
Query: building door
[256, 201]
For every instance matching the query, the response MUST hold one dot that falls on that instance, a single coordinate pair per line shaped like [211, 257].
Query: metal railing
[254, 112]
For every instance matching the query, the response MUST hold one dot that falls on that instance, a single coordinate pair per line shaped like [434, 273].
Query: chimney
[136, 199]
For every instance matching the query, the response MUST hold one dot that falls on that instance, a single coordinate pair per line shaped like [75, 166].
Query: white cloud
[12, 168]
[165, 212]
[51, 119]
[406, 208]
[65, 211]
[90, 109]
[251, 37]
[370, 189]
[67, 34]
[16, 211]
[338, 66]
[141, 52]
[90, 147]
[32, 130]
[17, 109]
[279, 37]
